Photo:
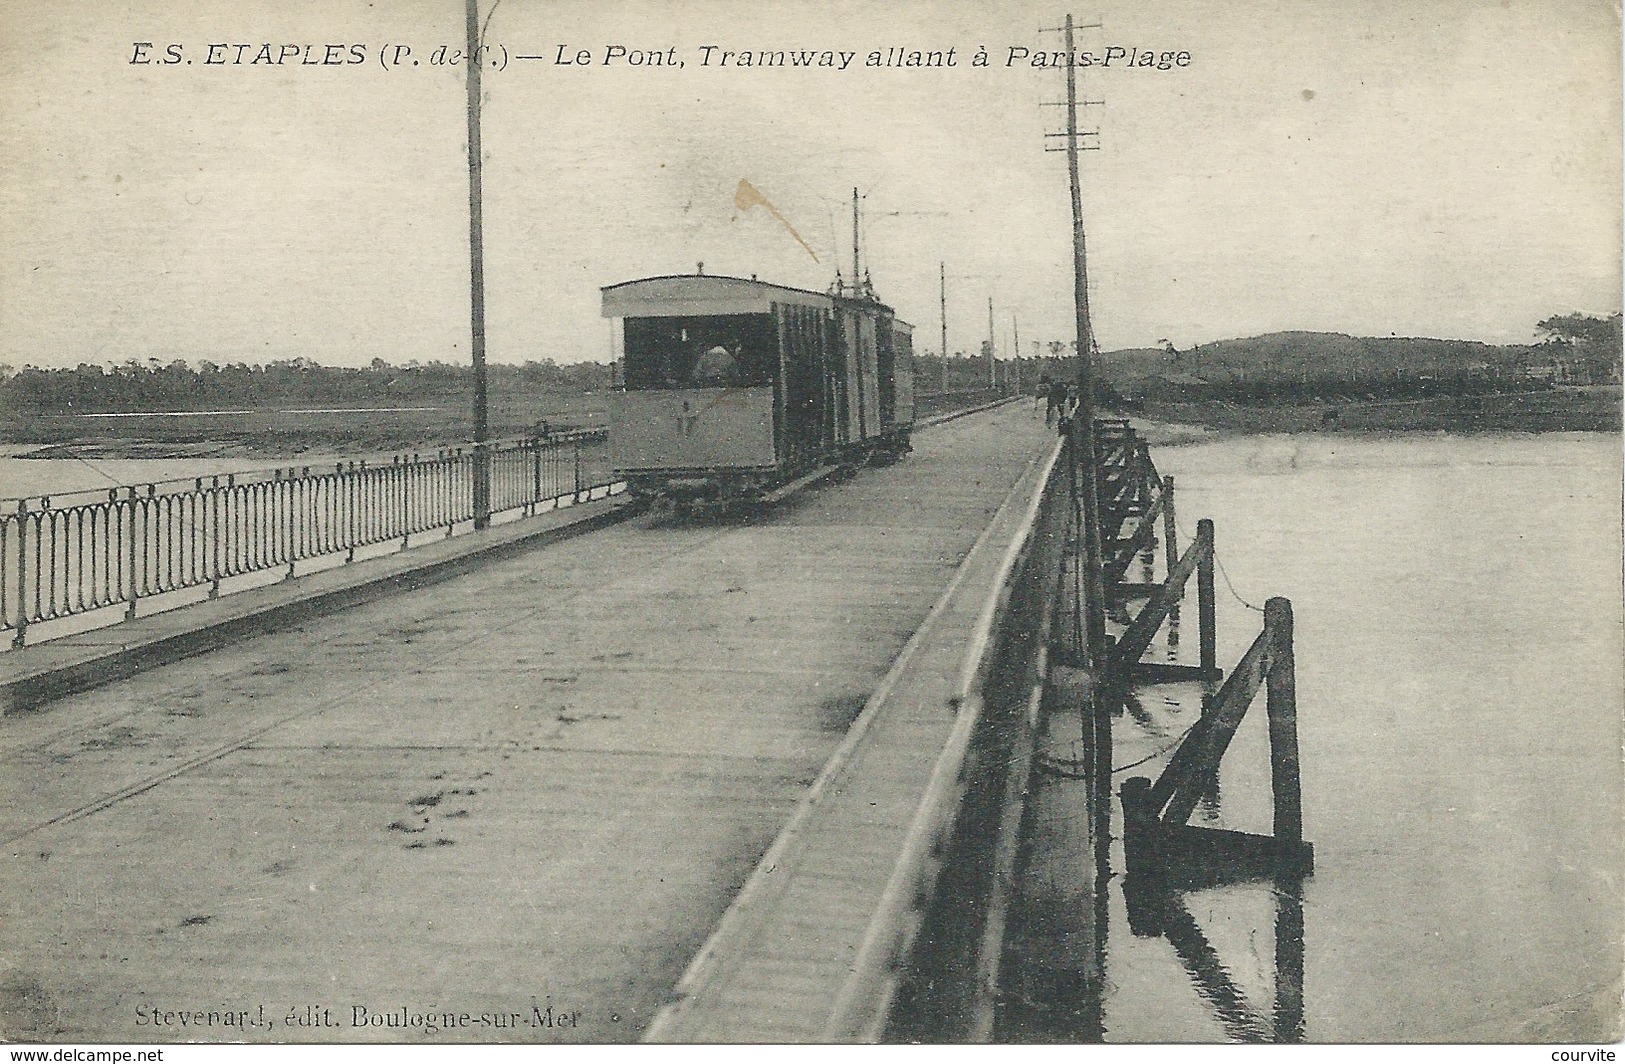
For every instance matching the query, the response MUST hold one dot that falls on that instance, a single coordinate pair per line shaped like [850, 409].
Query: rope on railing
[1219, 562]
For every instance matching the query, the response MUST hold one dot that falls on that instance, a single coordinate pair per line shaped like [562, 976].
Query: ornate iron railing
[71, 554]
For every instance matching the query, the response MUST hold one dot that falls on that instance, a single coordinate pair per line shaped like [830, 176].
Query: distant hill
[1311, 357]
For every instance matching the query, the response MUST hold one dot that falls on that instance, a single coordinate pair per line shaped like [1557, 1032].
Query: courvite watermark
[259, 1018]
[661, 57]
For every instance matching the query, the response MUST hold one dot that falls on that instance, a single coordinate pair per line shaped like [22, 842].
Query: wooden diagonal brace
[1180, 786]
[1134, 641]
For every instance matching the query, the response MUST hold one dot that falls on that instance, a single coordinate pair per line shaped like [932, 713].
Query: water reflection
[1156, 911]
[1064, 993]
[1059, 993]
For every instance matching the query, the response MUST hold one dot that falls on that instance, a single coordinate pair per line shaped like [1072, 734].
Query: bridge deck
[534, 787]
[811, 949]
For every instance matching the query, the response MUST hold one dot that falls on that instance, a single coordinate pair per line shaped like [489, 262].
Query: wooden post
[1282, 704]
[1205, 605]
[1170, 529]
[1083, 420]
[1170, 551]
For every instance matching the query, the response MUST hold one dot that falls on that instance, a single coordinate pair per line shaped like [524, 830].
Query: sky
[1447, 168]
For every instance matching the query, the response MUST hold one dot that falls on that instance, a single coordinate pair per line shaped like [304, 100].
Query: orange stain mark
[747, 196]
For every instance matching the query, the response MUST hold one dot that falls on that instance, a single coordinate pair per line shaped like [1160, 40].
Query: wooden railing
[1157, 840]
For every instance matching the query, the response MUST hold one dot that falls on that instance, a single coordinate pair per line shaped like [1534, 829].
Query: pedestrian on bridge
[1067, 399]
[1056, 402]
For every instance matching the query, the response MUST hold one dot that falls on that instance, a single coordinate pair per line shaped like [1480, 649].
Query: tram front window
[719, 351]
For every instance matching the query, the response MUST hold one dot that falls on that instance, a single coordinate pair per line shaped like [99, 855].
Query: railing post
[1281, 701]
[45, 548]
[1170, 551]
[535, 475]
[577, 446]
[1170, 528]
[446, 470]
[22, 574]
[482, 486]
[129, 609]
[292, 510]
[402, 471]
[214, 500]
[1207, 634]
[352, 504]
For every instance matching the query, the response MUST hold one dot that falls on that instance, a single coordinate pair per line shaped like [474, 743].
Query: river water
[34, 477]
[1459, 675]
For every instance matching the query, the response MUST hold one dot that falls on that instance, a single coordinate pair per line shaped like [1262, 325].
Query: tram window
[717, 351]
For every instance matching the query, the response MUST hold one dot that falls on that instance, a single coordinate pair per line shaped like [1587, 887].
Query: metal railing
[72, 554]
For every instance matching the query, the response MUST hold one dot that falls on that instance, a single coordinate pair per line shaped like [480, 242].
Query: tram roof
[698, 294]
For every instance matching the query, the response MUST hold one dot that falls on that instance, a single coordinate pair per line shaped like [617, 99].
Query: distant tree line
[135, 386]
[1576, 348]
[1270, 390]
[1604, 337]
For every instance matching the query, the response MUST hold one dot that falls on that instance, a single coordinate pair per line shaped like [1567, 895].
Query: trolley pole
[476, 276]
[1083, 422]
[855, 291]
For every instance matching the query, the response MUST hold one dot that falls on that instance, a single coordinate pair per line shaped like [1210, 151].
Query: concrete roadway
[522, 797]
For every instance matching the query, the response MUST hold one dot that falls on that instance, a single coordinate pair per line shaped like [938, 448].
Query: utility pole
[942, 281]
[992, 357]
[1083, 423]
[942, 268]
[1015, 339]
[476, 276]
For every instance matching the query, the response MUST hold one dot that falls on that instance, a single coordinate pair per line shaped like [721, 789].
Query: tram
[734, 387]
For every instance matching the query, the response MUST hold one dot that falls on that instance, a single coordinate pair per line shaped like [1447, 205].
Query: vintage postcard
[790, 522]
